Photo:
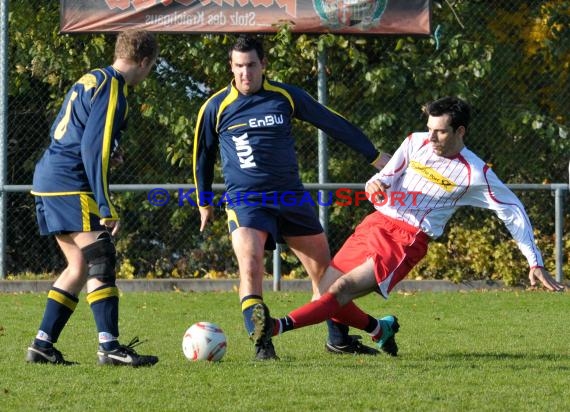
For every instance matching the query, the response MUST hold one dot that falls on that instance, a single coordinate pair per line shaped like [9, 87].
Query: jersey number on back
[62, 125]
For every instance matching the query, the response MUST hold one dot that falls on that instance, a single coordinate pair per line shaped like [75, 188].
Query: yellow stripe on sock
[250, 302]
[101, 294]
[63, 299]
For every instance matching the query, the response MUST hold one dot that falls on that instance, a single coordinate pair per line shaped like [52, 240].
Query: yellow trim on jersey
[59, 193]
[101, 294]
[88, 81]
[332, 110]
[107, 136]
[249, 303]
[126, 94]
[63, 299]
[105, 79]
[195, 150]
[229, 99]
[197, 143]
[433, 176]
[376, 158]
[270, 87]
[237, 125]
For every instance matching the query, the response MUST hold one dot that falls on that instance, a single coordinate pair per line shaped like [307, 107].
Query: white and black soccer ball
[204, 341]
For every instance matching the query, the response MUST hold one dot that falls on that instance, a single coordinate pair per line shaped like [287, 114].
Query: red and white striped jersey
[425, 189]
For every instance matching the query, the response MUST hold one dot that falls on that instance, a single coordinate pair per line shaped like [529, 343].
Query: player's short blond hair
[135, 45]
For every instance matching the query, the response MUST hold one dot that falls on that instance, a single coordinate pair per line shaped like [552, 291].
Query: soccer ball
[204, 341]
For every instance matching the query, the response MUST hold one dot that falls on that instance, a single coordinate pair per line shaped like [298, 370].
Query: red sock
[352, 315]
[315, 312]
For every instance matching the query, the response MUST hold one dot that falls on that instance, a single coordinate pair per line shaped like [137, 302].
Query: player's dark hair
[458, 110]
[246, 43]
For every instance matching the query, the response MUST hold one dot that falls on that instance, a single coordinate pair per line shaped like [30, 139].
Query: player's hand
[117, 158]
[547, 281]
[112, 225]
[206, 214]
[376, 191]
[382, 160]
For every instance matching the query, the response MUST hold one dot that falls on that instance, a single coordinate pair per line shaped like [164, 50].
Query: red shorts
[395, 247]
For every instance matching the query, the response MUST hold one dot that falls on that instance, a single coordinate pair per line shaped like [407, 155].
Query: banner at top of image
[263, 16]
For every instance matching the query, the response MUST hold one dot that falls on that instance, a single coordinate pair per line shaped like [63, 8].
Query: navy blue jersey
[83, 137]
[254, 135]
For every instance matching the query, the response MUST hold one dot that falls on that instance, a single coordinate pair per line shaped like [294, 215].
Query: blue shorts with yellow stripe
[278, 219]
[67, 213]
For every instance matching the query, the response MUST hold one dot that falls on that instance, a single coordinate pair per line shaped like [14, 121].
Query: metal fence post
[558, 228]
[323, 162]
[277, 268]
[323, 159]
[3, 129]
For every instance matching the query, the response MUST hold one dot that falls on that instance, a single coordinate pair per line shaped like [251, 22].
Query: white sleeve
[495, 195]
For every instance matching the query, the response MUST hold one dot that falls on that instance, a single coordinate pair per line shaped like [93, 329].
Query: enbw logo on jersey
[269, 120]
[244, 151]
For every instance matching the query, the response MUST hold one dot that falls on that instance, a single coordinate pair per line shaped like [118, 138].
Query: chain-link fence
[510, 59]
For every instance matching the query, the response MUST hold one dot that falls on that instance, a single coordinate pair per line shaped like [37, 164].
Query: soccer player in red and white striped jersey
[430, 175]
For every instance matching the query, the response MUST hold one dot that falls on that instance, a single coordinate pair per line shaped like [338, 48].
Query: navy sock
[60, 306]
[104, 303]
[338, 333]
[372, 324]
[286, 324]
[247, 304]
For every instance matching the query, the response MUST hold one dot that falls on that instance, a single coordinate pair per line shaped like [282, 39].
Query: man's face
[444, 141]
[248, 71]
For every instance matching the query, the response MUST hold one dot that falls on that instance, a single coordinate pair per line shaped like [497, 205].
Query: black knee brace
[101, 258]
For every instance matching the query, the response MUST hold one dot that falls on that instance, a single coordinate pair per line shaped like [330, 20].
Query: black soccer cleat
[266, 352]
[37, 354]
[125, 355]
[263, 325]
[354, 347]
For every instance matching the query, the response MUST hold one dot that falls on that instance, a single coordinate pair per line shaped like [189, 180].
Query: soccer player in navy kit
[443, 175]
[250, 122]
[71, 188]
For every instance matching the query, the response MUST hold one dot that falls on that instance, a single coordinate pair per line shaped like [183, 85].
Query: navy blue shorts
[66, 214]
[278, 220]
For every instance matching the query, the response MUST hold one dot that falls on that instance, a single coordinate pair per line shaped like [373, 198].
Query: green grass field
[477, 351]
